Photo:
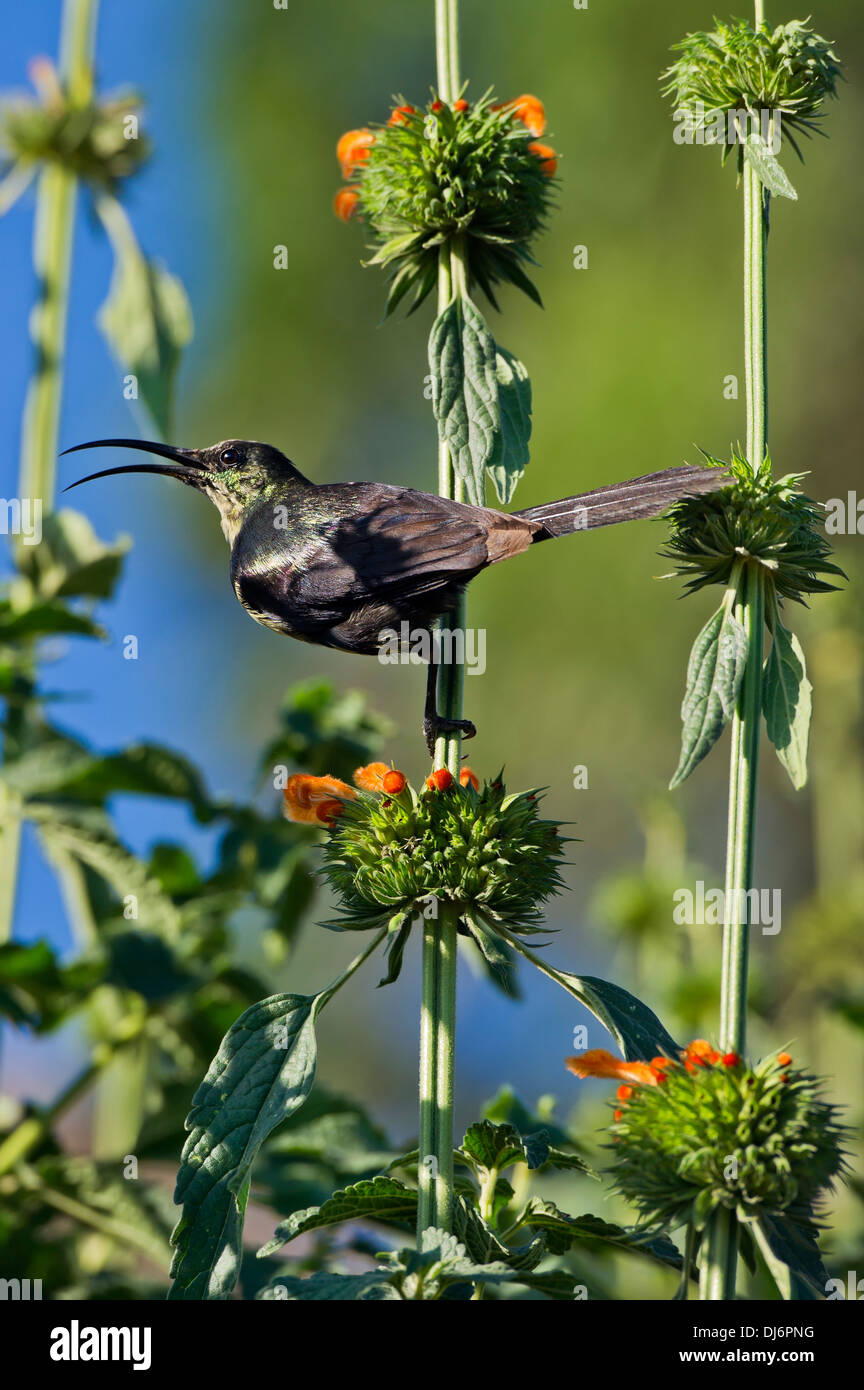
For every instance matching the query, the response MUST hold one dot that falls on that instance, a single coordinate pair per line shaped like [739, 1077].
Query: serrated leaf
[792, 1256]
[262, 1073]
[510, 452]
[490, 1146]
[87, 835]
[762, 158]
[714, 675]
[146, 317]
[562, 1231]
[465, 392]
[485, 1247]
[324, 1287]
[786, 703]
[374, 1199]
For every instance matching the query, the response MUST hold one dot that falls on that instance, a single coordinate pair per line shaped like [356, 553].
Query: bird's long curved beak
[185, 464]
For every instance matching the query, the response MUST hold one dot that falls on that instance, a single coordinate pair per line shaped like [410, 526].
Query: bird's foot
[434, 725]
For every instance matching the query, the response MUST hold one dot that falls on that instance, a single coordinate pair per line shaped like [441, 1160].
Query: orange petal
[328, 812]
[441, 780]
[345, 203]
[599, 1062]
[400, 114]
[394, 781]
[353, 149]
[461, 105]
[371, 777]
[547, 156]
[783, 1059]
[530, 111]
[304, 793]
[466, 776]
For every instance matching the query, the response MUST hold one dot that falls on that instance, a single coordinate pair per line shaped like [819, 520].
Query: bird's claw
[434, 726]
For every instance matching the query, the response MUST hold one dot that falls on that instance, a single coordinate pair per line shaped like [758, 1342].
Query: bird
[340, 564]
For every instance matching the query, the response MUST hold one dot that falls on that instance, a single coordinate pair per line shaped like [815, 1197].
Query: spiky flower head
[757, 519]
[474, 851]
[789, 70]
[93, 141]
[705, 1131]
[469, 171]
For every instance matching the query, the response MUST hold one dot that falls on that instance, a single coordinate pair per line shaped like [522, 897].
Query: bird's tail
[606, 506]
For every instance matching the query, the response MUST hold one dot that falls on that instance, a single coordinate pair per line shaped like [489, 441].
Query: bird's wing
[395, 542]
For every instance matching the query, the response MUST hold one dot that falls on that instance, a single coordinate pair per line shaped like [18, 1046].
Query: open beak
[185, 464]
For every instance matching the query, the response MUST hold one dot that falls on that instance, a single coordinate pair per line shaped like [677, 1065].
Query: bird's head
[235, 475]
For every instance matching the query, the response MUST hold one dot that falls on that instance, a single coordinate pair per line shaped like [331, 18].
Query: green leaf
[462, 361]
[135, 1215]
[486, 1247]
[45, 620]
[323, 1287]
[489, 1146]
[510, 452]
[562, 1231]
[762, 158]
[71, 561]
[146, 317]
[792, 1256]
[786, 703]
[87, 835]
[375, 1199]
[714, 675]
[262, 1073]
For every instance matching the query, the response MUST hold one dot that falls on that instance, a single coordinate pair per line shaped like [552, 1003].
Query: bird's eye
[229, 456]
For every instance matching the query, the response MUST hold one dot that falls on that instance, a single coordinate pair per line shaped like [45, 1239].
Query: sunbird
[339, 564]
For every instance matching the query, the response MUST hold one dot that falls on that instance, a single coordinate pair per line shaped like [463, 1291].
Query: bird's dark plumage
[338, 564]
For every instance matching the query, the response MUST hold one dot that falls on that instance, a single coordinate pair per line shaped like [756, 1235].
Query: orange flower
[599, 1062]
[304, 795]
[440, 780]
[378, 777]
[624, 1092]
[619, 1115]
[399, 115]
[437, 106]
[662, 1063]
[530, 111]
[328, 812]
[731, 1059]
[371, 777]
[547, 156]
[783, 1059]
[353, 149]
[701, 1053]
[345, 203]
[462, 105]
[466, 777]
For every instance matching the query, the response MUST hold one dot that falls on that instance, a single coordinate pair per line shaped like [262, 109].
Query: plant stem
[719, 1266]
[438, 1009]
[52, 262]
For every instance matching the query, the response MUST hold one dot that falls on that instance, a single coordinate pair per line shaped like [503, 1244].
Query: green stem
[438, 1008]
[23, 1138]
[52, 262]
[719, 1266]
